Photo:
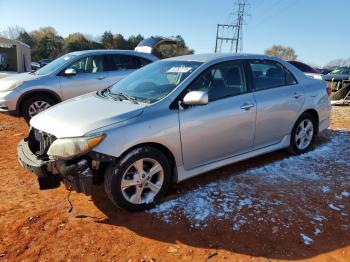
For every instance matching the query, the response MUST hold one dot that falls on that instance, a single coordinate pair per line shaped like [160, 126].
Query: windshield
[153, 82]
[49, 68]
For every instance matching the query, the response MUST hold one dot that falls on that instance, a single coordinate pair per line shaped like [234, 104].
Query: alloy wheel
[37, 107]
[304, 134]
[142, 181]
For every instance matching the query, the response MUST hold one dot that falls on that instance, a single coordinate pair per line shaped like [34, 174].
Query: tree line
[47, 43]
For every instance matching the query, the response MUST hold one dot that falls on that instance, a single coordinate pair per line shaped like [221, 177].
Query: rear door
[90, 77]
[119, 66]
[279, 100]
[225, 126]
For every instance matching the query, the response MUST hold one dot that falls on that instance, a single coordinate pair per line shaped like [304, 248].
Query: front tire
[303, 134]
[139, 179]
[36, 104]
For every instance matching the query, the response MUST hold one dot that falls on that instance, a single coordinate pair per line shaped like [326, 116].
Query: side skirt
[184, 174]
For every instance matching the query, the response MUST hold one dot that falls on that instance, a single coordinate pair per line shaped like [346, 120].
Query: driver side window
[89, 64]
[221, 81]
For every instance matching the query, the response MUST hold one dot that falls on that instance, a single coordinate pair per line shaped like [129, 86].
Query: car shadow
[288, 218]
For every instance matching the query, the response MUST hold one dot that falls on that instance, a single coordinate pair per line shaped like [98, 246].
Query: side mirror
[196, 98]
[70, 72]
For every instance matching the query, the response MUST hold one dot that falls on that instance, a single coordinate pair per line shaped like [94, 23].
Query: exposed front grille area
[39, 142]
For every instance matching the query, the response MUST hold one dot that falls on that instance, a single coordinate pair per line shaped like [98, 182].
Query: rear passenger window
[143, 61]
[128, 62]
[290, 79]
[123, 62]
[222, 80]
[269, 74]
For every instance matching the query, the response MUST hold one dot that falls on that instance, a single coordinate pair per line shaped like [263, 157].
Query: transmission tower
[232, 33]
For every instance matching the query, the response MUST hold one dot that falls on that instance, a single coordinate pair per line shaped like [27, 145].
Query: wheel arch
[314, 113]
[30, 93]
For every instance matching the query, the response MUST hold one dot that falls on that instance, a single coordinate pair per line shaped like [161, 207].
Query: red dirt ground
[35, 225]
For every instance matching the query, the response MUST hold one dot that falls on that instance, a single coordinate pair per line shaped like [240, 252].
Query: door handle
[296, 95]
[247, 106]
[100, 78]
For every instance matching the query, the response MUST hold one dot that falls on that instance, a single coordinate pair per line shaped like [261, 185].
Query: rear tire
[36, 104]
[303, 134]
[139, 180]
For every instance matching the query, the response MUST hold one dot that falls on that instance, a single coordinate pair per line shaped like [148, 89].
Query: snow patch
[332, 206]
[345, 194]
[241, 200]
[325, 189]
[307, 240]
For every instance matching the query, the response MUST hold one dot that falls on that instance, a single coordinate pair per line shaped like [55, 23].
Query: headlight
[9, 86]
[67, 148]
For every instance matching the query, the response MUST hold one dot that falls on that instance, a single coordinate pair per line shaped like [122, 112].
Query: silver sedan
[172, 120]
[68, 76]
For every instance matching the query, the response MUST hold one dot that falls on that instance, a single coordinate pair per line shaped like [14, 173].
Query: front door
[90, 77]
[225, 126]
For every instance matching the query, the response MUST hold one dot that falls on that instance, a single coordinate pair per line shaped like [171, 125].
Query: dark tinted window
[290, 79]
[143, 61]
[128, 62]
[302, 67]
[123, 62]
[222, 80]
[269, 74]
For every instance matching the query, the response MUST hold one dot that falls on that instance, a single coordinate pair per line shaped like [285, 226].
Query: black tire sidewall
[115, 171]
[26, 104]
[293, 145]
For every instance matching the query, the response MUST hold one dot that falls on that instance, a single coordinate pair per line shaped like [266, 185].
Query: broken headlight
[68, 148]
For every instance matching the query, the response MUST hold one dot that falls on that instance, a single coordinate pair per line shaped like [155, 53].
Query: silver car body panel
[195, 136]
[65, 87]
[102, 113]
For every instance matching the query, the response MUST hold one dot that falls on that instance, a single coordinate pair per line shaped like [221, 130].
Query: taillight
[329, 90]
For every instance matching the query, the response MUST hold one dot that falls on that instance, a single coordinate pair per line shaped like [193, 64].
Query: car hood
[83, 114]
[11, 82]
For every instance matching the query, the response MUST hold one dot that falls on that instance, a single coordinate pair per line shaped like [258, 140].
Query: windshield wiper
[130, 98]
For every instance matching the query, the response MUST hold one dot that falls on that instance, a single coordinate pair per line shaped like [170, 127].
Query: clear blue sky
[317, 29]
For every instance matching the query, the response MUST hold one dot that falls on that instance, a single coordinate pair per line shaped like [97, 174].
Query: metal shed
[17, 55]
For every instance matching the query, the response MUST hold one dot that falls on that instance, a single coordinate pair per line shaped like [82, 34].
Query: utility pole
[234, 32]
[220, 36]
[240, 22]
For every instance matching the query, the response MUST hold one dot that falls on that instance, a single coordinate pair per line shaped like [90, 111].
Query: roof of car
[211, 57]
[112, 51]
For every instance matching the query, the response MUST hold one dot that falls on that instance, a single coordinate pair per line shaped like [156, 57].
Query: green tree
[286, 53]
[24, 37]
[133, 41]
[119, 42]
[46, 43]
[76, 42]
[107, 40]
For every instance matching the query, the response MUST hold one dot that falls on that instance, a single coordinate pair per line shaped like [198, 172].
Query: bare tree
[286, 53]
[339, 62]
[12, 32]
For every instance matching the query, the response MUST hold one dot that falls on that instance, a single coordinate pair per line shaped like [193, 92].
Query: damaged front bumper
[75, 174]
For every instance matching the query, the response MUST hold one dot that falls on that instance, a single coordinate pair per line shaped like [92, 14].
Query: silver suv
[68, 76]
[172, 120]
